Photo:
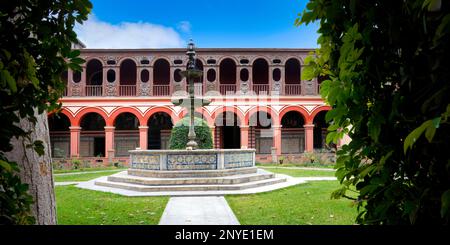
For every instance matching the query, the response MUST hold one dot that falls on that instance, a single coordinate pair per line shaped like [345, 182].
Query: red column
[277, 138]
[244, 137]
[75, 141]
[109, 142]
[309, 137]
[143, 137]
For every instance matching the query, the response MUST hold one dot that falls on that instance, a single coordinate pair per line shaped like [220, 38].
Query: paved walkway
[211, 210]
[67, 183]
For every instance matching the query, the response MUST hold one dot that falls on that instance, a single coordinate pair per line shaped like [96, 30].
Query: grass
[61, 171]
[313, 165]
[300, 172]
[83, 177]
[305, 204]
[84, 207]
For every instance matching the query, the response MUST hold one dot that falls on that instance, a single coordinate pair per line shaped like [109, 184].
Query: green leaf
[73, 54]
[5, 165]
[414, 135]
[6, 78]
[445, 203]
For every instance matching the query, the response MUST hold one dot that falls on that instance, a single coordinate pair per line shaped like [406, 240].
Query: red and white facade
[122, 101]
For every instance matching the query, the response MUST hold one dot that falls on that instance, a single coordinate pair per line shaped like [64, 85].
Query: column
[244, 137]
[143, 137]
[277, 138]
[109, 142]
[75, 141]
[309, 137]
[213, 135]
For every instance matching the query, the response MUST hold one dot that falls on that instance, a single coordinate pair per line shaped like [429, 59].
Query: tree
[179, 134]
[386, 65]
[35, 48]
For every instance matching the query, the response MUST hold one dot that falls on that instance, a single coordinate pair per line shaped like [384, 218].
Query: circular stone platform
[206, 170]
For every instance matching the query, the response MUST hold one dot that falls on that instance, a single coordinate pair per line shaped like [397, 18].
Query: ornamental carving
[276, 88]
[110, 57]
[309, 88]
[76, 90]
[244, 87]
[145, 89]
[111, 89]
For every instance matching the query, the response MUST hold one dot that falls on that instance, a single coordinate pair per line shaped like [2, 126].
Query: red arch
[204, 113]
[232, 109]
[85, 111]
[167, 110]
[66, 113]
[131, 110]
[319, 109]
[273, 114]
[306, 117]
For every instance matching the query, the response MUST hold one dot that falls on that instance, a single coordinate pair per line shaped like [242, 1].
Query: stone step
[226, 180]
[191, 173]
[162, 188]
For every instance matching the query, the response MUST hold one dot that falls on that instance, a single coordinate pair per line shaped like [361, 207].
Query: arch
[161, 72]
[273, 114]
[94, 72]
[317, 110]
[320, 131]
[128, 72]
[58, 124]
[153, 110]
[112, 118]
[162, 58]
[203, 112]
[292, 132]
[299, 58]
[227, 71]
[235, 110]
[59, 132]
[92, 135]
[66, 113]
[306, 117]
[159, 125]
[260, 71]
[292, 74]
[236, 61]
[87, 110]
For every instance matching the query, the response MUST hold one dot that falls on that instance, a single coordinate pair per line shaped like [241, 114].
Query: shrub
[76, 164]
[179, 135]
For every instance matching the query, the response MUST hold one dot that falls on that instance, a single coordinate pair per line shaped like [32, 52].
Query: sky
[210, 23]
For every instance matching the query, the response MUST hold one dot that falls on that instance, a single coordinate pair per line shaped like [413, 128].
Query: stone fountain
[193, 170]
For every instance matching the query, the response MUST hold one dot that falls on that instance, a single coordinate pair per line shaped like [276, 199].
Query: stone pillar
[244, 137]
[309, 137]
[109, 142]
[143, 137]
[75, 141]
[213, 135]
[277, 138]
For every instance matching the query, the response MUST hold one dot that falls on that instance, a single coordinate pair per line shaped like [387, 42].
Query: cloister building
[122, 101]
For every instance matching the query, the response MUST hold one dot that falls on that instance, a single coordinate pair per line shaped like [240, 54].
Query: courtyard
[304, 204]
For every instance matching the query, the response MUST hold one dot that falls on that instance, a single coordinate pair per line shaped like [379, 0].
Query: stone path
[210, 210]
[67, 183]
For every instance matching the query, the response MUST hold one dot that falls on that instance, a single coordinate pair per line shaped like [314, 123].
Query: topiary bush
[179, 135]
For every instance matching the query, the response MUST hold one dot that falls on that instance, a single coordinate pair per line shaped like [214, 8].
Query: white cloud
[185, 26]
[99, 34]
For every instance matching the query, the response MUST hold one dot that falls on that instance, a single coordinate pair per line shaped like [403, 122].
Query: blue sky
[213, 23]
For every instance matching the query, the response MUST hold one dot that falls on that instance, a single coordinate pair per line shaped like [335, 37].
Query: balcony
[127, 90]
[94, 90]
[227, 89]
[161, 90]
[261, 89]
[293, 89]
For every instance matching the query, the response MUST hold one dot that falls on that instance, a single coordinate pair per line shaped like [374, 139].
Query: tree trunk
[36, 170]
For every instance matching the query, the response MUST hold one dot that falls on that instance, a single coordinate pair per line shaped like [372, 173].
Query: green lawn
[294, 165]
[84, 176]
[300, 172]
[60, 171]
[302, 204]
[84, 207]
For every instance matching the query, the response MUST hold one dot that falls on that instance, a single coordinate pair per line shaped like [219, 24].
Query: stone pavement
[210, 210]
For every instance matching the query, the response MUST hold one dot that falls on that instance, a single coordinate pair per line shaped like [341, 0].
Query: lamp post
[191, 102]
